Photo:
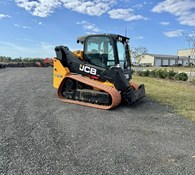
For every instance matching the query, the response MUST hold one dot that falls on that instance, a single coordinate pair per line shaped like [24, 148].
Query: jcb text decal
[87, 69]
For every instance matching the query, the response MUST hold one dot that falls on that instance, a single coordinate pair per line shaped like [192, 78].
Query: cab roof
[82, 39]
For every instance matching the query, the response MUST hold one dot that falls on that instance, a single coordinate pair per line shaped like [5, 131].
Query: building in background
[190, 53]
[159, 60]
[183, 58]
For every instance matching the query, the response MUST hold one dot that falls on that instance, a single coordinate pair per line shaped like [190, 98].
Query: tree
[190, 38]
[138, 51]
[5, 59]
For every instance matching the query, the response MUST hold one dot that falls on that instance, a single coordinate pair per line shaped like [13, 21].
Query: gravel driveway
[40, 135]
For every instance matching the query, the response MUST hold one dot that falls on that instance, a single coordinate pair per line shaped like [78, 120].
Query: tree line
[20, 59]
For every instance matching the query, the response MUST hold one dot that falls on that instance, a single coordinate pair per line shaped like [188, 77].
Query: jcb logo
[87, 69]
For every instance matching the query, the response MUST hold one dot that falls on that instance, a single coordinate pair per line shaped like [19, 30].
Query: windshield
[99, 51]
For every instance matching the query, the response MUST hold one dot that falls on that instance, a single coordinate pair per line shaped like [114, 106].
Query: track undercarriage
[76, 90]
[80, 90]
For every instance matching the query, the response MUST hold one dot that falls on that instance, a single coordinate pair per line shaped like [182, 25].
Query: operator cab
[106, 50]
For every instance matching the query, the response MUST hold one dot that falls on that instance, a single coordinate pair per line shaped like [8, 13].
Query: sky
[32, 28]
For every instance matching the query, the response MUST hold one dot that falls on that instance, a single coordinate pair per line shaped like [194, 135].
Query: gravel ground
[40, 135]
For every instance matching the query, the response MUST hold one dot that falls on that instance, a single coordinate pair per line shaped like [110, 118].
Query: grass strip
[179, 95]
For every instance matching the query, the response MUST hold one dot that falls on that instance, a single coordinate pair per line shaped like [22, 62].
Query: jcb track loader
[99, 76]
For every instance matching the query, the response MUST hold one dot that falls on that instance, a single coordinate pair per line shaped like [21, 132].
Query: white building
[190, 53]
[162, 60]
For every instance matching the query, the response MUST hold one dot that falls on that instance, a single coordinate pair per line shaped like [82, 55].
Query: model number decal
[87, 69]
[58, 75]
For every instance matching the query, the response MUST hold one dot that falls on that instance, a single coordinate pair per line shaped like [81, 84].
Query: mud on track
[41, 135]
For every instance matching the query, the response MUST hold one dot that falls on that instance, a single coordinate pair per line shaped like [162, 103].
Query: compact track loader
[99, 76]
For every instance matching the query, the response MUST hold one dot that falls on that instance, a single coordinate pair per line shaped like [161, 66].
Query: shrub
[132, 71]
[146, 73]
[140, 73]
[152, 73]
[164, 74]
[176, 76]
[157, 73]
[183, 76]
[161, 73]
[171, 74]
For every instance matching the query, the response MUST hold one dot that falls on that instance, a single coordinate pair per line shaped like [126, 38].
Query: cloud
[125, 14]
[43, 8]
[138, 6]
[93, 8]
[174, 33]
[20, 26]
[5, 2]
[139, 37]
[37, 22]
[164, 23]
[39, 8]
[182, 9]
[89, 27]
[4, 16]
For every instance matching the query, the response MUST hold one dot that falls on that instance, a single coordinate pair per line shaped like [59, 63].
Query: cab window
[99, 51]
[121, 53]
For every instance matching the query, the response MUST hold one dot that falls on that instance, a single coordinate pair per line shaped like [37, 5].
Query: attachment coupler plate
[131, 95]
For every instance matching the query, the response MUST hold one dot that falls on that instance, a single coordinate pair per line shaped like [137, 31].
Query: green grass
[179, 95]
